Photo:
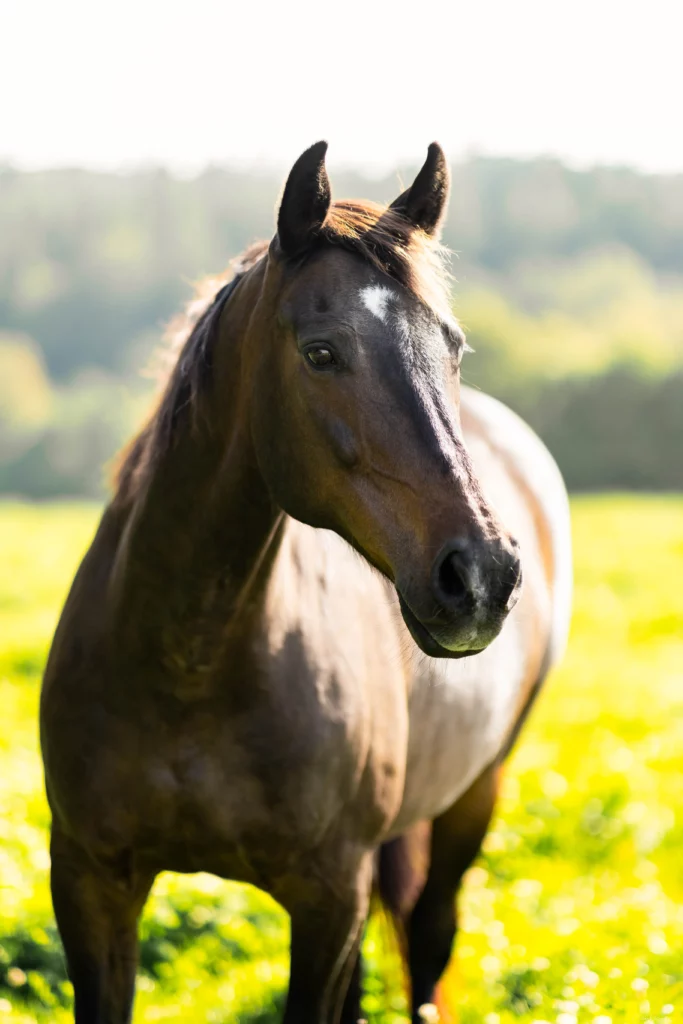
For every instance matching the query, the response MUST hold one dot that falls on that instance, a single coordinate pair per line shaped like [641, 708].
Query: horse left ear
[424, 203]
[305, 201]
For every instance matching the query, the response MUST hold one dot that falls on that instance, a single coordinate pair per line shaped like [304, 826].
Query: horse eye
[320, 357]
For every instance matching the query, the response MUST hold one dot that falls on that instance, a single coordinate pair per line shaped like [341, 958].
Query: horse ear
[424, 203]
[305, 201]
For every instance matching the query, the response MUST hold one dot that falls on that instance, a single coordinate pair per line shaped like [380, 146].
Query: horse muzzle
[471, 590]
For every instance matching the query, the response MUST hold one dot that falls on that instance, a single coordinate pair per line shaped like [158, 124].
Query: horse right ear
[305, 202]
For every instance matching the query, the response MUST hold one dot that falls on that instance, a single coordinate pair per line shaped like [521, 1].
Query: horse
[300, 646]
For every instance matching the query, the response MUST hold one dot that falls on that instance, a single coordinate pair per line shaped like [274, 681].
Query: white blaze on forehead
[375, 298]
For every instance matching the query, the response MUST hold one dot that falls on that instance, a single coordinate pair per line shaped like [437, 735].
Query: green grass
[573, 913]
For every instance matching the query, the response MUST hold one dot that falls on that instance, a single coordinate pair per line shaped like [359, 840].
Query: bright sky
[134, 82]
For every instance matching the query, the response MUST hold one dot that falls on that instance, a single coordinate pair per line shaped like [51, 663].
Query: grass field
[575, 911]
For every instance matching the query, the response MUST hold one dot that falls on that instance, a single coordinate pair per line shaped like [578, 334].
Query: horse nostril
[452, 579]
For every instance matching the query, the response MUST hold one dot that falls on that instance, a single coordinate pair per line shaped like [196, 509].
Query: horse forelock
[389, 242]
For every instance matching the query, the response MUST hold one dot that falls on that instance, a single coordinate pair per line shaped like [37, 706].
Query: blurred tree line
[569, 284]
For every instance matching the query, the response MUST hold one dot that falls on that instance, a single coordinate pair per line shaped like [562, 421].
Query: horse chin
[427, 643]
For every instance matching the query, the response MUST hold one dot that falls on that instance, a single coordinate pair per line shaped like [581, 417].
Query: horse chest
[241, 797]
[460, 714]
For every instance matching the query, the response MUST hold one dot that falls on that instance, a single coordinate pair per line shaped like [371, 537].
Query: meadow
[573, 913]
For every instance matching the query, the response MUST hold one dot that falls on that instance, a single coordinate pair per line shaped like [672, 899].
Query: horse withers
[231, 688]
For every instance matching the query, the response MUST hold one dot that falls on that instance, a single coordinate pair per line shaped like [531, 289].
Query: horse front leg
[327, 916]
[97, 913]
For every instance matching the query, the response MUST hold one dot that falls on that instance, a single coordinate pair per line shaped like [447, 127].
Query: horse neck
[201, 538]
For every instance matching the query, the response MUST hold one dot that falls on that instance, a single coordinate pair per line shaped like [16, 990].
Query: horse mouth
[428, 644]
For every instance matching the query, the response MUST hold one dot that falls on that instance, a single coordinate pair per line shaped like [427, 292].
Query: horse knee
[327, 920]
[97, 921]
[431, 931]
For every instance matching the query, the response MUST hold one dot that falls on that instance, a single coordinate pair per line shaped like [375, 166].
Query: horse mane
[379, 235]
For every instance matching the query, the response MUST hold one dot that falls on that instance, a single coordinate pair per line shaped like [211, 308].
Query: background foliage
[570, 284]
[575, 911]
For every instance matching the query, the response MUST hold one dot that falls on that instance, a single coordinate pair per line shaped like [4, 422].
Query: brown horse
[232, 688]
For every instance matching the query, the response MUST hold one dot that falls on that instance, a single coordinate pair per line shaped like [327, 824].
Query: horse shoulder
[519, 472]
[333, 650]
